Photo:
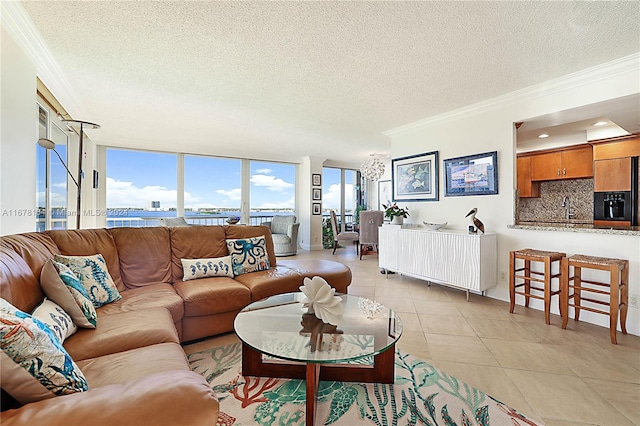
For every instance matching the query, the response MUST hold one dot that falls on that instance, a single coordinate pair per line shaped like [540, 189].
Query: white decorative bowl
[434, 226]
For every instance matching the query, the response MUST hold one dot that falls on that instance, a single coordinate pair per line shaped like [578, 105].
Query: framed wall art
[471, 175]
[317, 209]
[415, 178]
[316, 179]
[317, 194]
[384, 193]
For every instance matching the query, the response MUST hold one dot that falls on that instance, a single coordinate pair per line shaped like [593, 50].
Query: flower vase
[397, 220]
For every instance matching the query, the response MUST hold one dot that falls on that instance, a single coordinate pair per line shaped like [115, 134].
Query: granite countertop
[576, 226]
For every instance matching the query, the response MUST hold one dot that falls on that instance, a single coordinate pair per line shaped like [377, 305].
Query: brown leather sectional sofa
[133, 362]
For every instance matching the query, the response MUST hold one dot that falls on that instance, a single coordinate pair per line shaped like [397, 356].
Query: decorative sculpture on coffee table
[320, 299]
[316, 328]
[476, 224]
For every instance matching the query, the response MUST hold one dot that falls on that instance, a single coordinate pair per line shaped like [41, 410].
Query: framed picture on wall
[415, 178]
[317, 209]
[317, 194]
[471, 175]
[316, 179]
[384, 193]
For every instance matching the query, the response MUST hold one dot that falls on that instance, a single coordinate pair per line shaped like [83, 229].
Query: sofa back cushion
[280, 224]
[18, 285]
[145, 255]
[36, 248]
[87, 242]
[234, 232]
[195, 242]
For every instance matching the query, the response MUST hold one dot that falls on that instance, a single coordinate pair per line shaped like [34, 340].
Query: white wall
[18, 137]
[488, 126]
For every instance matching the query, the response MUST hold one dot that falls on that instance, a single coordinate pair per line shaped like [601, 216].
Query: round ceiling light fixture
[372, 168]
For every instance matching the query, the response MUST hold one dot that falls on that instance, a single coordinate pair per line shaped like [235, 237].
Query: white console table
[450, 257]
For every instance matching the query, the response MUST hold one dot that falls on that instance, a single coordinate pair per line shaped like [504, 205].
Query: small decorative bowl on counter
[435, 226]
[232, 220]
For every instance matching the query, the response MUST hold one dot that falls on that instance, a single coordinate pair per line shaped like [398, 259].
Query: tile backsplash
[549, 208]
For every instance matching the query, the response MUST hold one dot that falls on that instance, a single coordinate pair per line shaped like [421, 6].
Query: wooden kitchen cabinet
[571, 163]
[526, 188]
[612, 175]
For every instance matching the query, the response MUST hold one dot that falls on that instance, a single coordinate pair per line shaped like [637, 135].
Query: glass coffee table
[279, 339]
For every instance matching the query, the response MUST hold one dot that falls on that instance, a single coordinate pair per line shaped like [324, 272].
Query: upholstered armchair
[370, 221]
[284, 231]
[341, 236]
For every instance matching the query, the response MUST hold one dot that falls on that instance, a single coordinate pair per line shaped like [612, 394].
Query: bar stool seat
[527, 276]
[617, 289]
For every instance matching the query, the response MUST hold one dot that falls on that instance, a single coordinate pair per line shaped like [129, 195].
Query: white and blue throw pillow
[64, 288]
[248, 255]
[201, 268]
[56, 318]
[94, 277]
[34, 364]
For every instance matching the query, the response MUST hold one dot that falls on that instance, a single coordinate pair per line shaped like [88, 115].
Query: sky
[134, 178]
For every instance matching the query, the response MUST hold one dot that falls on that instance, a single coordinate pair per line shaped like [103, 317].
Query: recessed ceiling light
[544, 135]
[600, 123]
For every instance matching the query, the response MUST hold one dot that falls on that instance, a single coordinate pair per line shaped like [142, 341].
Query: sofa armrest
[293, 232]
[267, 224]
[169, 398]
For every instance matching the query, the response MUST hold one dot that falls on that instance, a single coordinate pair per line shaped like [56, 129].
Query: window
[273, 190]
[340, 192]
[141, 187]
[51, 175]
[212, 189]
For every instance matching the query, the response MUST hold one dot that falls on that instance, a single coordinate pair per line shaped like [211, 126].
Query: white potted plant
[395, 213]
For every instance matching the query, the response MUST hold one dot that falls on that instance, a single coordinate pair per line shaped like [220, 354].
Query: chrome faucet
[566, 203]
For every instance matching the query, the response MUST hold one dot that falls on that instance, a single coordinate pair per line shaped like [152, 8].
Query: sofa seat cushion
[273, 281]
[171, 398]
[208, 296]
[152, 296]
[280, 239]
[134, 364]
[123, 331]
[335, 273]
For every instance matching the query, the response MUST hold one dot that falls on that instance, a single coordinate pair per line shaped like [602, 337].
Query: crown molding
[621, 66]
[19, 25]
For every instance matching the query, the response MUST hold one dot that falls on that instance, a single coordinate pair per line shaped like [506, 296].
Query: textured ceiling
[282, 80]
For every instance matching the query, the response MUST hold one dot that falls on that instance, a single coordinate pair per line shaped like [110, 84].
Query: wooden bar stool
[528, 256]
[617, 289]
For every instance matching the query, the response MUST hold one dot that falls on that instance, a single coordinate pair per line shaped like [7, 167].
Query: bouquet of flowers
[393, 210]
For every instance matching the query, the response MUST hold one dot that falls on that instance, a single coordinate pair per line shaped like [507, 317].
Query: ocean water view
[142, 218]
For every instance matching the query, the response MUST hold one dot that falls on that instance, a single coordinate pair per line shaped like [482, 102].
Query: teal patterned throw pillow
[34, 364]
[64, 288]
[200, 268]
[94, 277]
[248, 255]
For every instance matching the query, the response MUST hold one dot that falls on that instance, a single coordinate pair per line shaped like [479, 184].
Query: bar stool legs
[527, 276]
[617, 289]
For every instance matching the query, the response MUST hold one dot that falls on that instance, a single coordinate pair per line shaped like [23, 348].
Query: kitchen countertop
[576, 226]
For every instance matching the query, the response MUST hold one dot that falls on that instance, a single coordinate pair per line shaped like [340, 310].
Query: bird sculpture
[477, 223]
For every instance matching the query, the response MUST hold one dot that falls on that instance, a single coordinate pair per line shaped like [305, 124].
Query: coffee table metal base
[381, 371]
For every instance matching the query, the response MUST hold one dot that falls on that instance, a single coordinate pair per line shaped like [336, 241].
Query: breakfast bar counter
[576, 227]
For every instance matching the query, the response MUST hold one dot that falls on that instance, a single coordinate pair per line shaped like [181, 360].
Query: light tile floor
[560, 377]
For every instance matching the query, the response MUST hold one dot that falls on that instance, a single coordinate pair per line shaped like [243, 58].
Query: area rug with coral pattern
[421, 395]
